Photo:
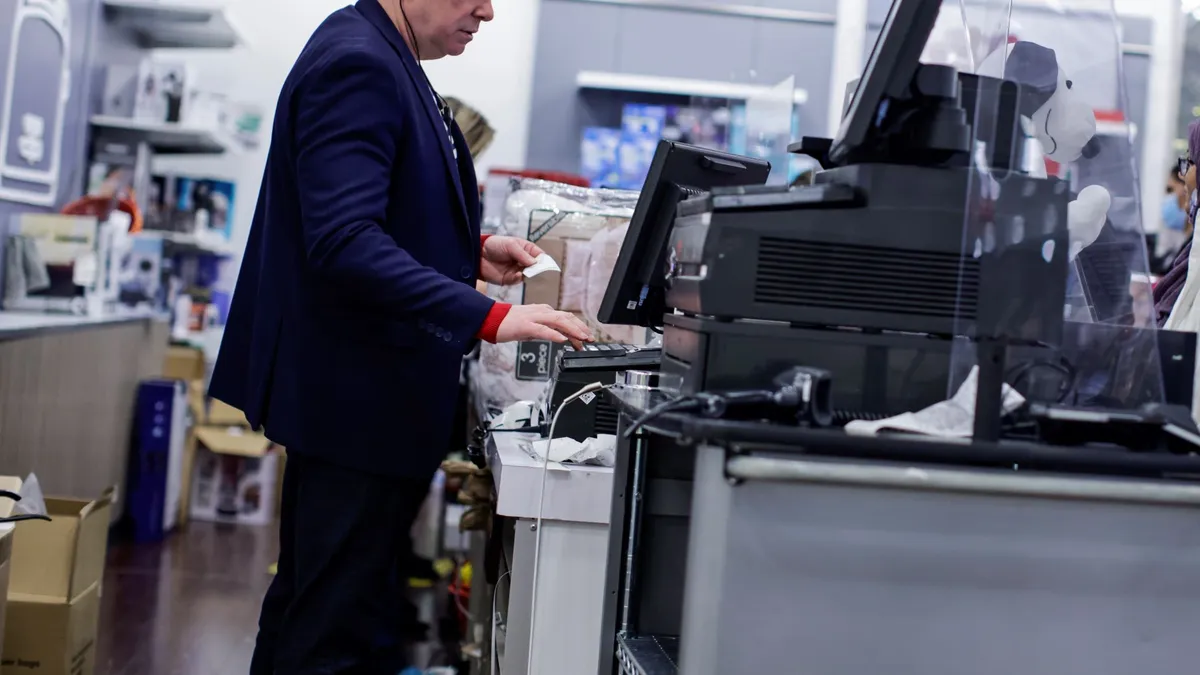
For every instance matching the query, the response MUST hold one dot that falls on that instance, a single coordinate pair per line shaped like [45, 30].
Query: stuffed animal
[1052, 109]
[1055, 113]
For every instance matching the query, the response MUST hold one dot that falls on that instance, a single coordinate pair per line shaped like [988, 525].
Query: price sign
[535, 360]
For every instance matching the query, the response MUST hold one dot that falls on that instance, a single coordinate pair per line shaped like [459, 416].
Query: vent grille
[606, 417]
[865, 278]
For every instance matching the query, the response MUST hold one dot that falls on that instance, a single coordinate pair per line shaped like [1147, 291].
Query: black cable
[674, 405]
[412, 34]
[843, 417]
[1062, 367]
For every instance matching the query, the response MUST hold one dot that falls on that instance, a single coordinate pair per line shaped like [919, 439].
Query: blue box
[634, 157]
[641, 119]
[598, 155]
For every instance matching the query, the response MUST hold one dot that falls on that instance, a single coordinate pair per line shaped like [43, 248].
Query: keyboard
[599, 350]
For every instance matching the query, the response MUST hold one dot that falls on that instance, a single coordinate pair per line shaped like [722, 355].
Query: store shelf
[650, 84]
[164, 138]
[163, 24]
[188, 242]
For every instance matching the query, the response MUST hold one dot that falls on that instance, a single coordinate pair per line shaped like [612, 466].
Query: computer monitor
[637, 289]
[887, 75]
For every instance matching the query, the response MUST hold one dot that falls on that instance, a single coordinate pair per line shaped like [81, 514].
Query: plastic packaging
[534, 209]
[33, 501]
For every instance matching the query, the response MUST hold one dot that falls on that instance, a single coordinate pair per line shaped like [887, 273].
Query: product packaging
[564, 221]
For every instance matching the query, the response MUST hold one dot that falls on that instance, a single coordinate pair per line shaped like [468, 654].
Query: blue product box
[598, 156]
[641, 119]
[635, 154]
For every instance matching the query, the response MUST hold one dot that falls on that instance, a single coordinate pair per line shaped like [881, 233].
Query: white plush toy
[1056, 114]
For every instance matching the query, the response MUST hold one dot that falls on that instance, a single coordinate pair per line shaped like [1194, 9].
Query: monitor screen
[635, 292]
[888, 73]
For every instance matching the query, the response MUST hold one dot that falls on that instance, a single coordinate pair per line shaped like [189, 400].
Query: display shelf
[648, 655]
[651, 84]
[164, 138]
[161, 24]
[188, 242]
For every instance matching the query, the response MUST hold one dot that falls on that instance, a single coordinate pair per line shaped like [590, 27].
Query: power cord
[537, 541]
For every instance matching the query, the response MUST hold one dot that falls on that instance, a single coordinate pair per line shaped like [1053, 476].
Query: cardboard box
[234, 476]
[53, 608]
[231, 472]
[44, 637]
[184, 363]
[11, 484]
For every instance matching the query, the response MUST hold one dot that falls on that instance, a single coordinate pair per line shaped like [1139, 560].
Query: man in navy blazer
[355, 304]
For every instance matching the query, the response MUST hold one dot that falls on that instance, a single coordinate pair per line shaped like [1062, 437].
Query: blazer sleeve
[345, 134]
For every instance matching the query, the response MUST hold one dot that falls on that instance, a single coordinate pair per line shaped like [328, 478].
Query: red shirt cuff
[491, 324]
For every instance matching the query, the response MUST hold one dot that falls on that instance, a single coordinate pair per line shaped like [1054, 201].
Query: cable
[537, 540]
[493, 657]
[674, 405]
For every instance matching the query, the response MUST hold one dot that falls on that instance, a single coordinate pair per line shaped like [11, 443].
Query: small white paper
[587, 398]
[954, 418]
[543, 263]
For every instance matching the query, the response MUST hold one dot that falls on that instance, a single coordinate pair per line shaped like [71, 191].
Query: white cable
[493, 657]
[537, 540]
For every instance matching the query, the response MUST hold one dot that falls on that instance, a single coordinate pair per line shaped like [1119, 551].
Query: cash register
[678, 170]
[864, 275]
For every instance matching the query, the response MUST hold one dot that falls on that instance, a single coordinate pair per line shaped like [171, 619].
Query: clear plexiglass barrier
[1054, 272]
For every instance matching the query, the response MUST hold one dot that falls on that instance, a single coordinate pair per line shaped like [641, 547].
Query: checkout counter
[758, 524]
[573, 558]
[894, 554]
[67, 387]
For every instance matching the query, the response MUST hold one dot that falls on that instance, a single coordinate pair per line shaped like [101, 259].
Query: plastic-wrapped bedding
[531, 210]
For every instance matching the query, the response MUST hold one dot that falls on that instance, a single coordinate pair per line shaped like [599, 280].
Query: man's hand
[504, 258]
[542, 322]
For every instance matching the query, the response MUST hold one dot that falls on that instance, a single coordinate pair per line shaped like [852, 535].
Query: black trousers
[337, 604]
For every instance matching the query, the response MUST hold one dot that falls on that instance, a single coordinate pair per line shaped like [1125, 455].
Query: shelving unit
[163, 138]
[188, 242]
[591, 79]
[158, 24]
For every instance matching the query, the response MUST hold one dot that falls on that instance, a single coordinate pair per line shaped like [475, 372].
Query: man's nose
[485, 13]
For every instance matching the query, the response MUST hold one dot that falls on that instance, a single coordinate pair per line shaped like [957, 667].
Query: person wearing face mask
[354, 306]
[1169, 287]
[1174, 232]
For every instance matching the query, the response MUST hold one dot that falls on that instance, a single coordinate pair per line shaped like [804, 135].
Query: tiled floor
[188, 606]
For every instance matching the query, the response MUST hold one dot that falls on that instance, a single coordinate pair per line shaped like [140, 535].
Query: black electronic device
[576, 369]
[904, 234]
[634, 296]
[876, 247]
[893, 84]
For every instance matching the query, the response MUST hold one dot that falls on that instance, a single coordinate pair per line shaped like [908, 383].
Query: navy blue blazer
[356, 299]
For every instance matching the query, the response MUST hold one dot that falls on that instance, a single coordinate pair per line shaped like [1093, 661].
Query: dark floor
[187, 606]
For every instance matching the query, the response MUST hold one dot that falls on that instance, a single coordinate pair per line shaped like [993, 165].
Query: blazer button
[447, 337]
[466, 272]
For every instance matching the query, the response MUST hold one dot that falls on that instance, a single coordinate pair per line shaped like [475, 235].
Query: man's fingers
[568, 325]
[544, 332]
[520, 252]
[531, 248]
